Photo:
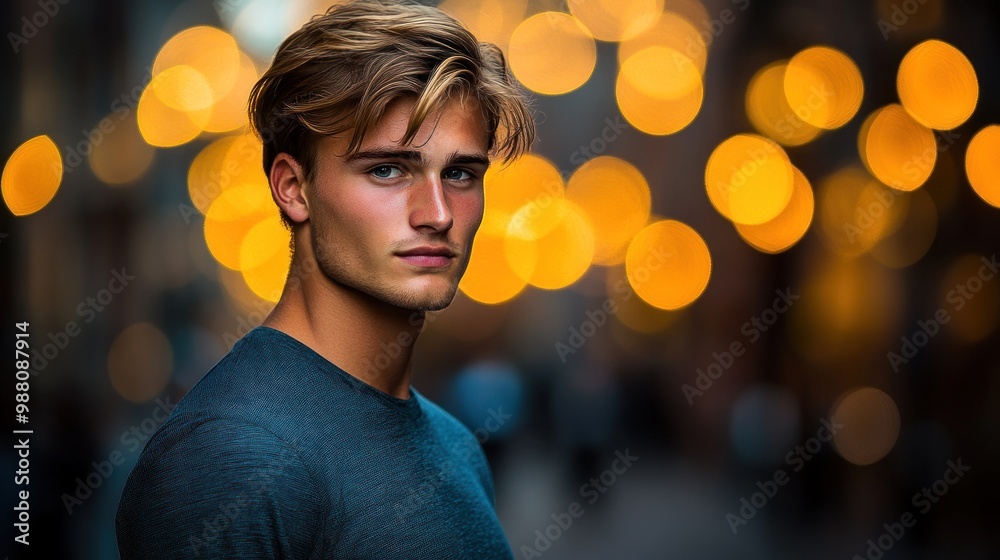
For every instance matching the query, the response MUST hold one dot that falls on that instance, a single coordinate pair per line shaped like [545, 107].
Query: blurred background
[741, 300]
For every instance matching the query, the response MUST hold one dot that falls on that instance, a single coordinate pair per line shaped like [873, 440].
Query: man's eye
[457, 175]
[386, 172]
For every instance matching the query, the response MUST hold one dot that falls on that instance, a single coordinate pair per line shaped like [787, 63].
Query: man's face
[397, 222]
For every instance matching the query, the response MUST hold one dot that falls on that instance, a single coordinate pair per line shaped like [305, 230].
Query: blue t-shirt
[278, 453]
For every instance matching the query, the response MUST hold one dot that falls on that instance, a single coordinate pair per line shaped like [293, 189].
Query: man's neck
[361, 335]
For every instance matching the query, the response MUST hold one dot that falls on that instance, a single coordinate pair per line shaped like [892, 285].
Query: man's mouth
[428, 256]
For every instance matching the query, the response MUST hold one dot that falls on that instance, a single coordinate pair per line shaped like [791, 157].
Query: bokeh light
[229, 111]
[769, 111]
[981, 164]
[183, 88]
[633, 311]
[855, 211]
[870, 422]
[121, 157]
[489, 278]
[616, 198]
[265, 256]
[140, 362]
[914, 236]
[823, 86]
[695, 12]
[749, 179]
[971, 296]
[672, 31]
[31, 176]
[492, 21]
[203, 53]
[787, 228]
[530, 178]
[616, 20]
[938, 85]
[550, 246]
[659, 90]
[552, 53]
[207, 171]
[164, 126]
[898, 19]
[227, 162]
[260, 25]
[231, 217]
[896, 149]
[668, 264]
[839, 326]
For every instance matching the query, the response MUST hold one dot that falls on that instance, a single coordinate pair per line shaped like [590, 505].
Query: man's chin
[427, 298]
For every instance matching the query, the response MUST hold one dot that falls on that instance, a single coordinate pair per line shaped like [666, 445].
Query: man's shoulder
[459, 437]
[262, 377]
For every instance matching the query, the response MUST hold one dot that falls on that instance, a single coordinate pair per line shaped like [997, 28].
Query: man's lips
[428, 256]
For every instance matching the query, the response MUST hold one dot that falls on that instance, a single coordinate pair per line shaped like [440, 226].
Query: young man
[307, 440]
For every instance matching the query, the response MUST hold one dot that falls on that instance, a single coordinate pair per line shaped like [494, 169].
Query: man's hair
[340, 71]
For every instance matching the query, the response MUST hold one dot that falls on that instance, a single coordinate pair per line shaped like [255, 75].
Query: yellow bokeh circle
[769, 111]
[668, 264]
[616, 20]
[490, 278]
[897, 150]
[982, 164]
[32, 176]
[749, 179]
[788, 227]
[671, 31]
[550, 245]
[552, 53]
[938, 85]
[823, 86]
[616, 198]
[659, 90]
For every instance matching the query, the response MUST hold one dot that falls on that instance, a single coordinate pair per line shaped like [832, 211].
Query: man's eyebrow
[386, 153]
[469, 159]
[476, 158]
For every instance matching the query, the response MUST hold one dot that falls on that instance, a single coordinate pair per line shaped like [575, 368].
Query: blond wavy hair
[339, 72]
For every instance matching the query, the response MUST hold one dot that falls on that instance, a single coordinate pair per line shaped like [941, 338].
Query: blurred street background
[741, 301]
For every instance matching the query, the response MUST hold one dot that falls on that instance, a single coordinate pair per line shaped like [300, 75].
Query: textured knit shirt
[278, 453]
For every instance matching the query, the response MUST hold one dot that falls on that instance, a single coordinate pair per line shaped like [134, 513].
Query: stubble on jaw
[331, 264]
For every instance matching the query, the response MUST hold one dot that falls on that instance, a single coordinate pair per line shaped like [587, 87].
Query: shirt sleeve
[221, 489]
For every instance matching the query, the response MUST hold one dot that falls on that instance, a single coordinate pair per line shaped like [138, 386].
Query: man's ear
[288, 180]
